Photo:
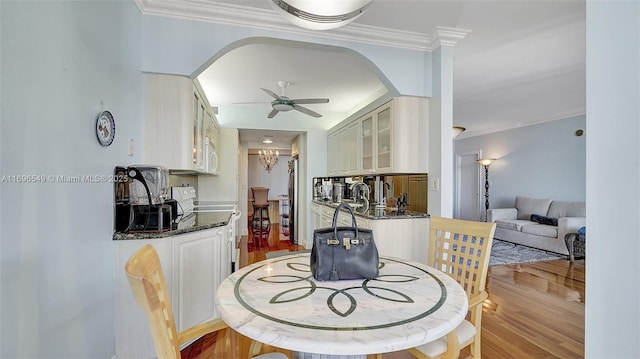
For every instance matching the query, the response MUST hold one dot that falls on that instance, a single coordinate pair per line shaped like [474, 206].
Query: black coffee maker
[148, 207]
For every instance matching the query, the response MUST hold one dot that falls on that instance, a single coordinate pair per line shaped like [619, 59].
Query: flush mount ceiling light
[268, 139]
[320, 15]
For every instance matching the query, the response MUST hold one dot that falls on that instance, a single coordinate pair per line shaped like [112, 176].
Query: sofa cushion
[544, 220]
[567, 209]
[527, 206]
[541, 230]
[512, 224]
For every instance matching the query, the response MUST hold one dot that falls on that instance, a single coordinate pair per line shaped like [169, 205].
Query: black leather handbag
[343, 252]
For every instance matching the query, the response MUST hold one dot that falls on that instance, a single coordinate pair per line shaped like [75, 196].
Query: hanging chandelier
[268, 158]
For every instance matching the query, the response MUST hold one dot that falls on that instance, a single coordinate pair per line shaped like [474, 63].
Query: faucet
[360, 191]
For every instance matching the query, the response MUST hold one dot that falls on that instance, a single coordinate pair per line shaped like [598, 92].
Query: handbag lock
[348, 242]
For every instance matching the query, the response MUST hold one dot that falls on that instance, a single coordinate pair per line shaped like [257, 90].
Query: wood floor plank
[533, 311]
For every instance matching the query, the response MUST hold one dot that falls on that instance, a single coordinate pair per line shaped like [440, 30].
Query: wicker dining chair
[150, 290]
[461, 249]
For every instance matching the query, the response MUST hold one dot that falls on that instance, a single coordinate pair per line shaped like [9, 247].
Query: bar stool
[260, 205]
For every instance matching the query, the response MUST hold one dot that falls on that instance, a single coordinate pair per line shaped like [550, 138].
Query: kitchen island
[402, 234]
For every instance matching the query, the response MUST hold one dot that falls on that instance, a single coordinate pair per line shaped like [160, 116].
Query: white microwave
[210, 157]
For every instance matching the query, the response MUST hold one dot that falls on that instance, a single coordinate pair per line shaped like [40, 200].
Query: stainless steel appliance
[317, 188]
[147, 208]
[327, 192]
[293, 199]
[338, 192]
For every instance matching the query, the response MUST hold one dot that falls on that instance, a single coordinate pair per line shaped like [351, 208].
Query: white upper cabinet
[179, 124]
[390, 139]
[168, 116]
[409, 136]
[352, 156]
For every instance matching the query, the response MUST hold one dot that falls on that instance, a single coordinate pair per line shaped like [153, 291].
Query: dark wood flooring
[533, 311]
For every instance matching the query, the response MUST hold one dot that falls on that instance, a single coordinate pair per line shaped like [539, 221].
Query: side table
[576, 245]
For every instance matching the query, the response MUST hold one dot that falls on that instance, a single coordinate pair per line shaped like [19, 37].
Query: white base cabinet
[194, 264]
[405, 238]
[194, 271]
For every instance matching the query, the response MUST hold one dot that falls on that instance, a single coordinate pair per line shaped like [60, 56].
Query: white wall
[613, 180]
[277, 180]
[546, 160]
[62, 64]
[180, 46]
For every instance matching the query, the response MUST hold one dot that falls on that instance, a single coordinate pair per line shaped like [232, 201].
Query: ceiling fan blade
[271, 93]
[310, 100]
[306, 111]
[272, 113]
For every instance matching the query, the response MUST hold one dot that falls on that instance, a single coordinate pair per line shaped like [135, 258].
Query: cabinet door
[195, 272]
[326, 219]
[168, 121]
[224, 257]
[199, 110]
[332, 154]
[353, 148]
[316, 216]
[367, 144]
[383, 134]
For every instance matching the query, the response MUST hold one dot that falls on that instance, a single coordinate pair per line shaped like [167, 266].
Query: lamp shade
[320, 15]
[486, 161]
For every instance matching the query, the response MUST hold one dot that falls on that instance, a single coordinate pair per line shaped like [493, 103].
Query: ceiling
[522, 63]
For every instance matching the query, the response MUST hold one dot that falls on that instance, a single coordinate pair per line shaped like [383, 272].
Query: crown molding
[446, 36]
[512, 126]
[237, 15]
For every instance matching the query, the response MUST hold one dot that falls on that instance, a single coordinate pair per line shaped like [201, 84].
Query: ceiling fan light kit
[283, 104]
[320, 15]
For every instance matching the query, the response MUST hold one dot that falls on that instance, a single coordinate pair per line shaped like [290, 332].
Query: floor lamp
[486, 163]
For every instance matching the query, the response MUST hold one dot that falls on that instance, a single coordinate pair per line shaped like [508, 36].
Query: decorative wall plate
[105, 128]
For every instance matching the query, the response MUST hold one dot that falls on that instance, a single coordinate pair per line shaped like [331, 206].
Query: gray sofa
[552, 220]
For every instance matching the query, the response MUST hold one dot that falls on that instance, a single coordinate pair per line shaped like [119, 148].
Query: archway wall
[180, 46]
[185, 47]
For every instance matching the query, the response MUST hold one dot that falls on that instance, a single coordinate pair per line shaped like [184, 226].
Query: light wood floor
[533, 311]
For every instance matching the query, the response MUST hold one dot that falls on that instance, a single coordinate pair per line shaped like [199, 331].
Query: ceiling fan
[283, 104]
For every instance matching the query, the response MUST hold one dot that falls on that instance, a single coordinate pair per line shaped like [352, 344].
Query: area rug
[503, 252]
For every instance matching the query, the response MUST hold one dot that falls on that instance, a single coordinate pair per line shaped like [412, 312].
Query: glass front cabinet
[377, 140]
[392, 138]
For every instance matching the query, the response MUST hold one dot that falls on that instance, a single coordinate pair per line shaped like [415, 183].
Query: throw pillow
[544, 220]
[527, 206]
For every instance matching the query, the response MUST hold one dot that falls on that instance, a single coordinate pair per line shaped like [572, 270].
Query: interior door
[468, 186]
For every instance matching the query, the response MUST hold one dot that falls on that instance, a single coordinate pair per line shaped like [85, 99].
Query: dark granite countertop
[192, 223]
[382, 213]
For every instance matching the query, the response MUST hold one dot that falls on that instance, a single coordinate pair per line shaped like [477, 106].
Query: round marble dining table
[278, 302]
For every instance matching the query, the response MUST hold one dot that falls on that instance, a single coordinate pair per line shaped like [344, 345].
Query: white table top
[278, 302]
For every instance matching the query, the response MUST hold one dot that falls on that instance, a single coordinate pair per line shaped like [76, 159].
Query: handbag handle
[354, 224]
